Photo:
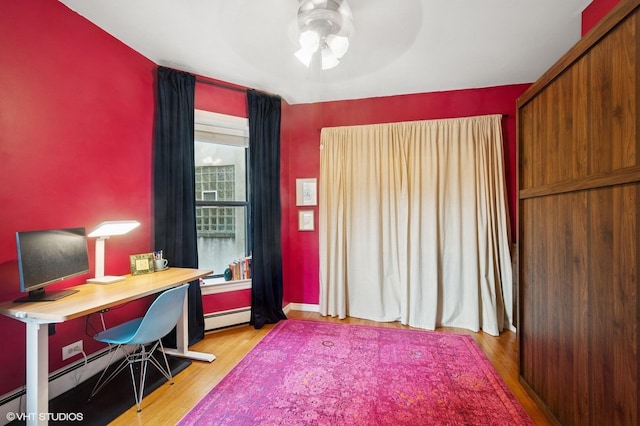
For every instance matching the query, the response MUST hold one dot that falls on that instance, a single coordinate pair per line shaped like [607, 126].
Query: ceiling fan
[325, 27]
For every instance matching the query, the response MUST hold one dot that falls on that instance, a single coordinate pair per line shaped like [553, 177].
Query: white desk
[90, 298]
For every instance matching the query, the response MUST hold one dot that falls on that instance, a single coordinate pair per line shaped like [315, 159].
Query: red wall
[593, 13]
[301, 137]
[219, 98]
[76, 121]
[226, 301]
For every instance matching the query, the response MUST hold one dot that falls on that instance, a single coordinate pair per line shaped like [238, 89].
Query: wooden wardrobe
[579, 225]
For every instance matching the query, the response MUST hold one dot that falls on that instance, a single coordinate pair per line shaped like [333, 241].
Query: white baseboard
[60, 381]
[304, 307]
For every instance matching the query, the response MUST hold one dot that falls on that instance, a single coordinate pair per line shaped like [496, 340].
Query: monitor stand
[49, 296]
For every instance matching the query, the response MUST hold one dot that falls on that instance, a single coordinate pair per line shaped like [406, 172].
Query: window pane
[220, 168]
[221, 236]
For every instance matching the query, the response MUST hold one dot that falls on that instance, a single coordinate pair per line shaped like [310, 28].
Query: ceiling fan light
[338, 44]
[329, 59]
[305, 56]
[309, 40]
[325, 27]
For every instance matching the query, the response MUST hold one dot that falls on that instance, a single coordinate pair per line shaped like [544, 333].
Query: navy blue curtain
[174, 186]
[264, 152]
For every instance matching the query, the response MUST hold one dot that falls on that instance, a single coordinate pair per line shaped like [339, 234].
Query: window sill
[219, 285]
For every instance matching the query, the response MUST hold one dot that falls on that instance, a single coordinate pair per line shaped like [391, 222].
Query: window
[211, 220]
[221, 189]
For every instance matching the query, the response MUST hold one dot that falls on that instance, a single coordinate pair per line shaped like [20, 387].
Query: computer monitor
[49, 256]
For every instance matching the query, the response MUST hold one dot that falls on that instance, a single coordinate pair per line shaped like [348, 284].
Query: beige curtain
[413, 224]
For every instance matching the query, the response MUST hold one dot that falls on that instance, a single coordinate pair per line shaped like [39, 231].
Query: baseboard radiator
[241, 316]
[224, 319]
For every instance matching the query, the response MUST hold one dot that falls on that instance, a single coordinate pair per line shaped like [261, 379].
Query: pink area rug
[316, 373]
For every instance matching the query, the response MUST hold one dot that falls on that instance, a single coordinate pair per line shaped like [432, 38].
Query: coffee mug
[160, 264]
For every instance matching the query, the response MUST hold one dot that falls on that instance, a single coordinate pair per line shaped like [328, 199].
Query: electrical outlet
[72, 349]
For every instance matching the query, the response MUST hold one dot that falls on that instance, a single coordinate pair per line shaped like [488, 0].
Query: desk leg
[37, 373]
[182, 339]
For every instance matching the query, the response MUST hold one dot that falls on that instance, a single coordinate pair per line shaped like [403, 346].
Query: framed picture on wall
[306, 192]
[306, 220]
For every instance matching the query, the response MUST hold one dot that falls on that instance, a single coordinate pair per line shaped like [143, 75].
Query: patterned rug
[317, 373]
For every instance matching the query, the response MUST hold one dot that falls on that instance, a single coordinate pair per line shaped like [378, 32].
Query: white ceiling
[399, 47]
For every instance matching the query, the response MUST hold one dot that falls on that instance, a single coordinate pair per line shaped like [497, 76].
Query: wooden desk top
[95, 297]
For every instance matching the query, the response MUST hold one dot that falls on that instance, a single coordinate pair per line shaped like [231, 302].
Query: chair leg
[100, 384]
[143, 356]
[138, 391]
[167, 372]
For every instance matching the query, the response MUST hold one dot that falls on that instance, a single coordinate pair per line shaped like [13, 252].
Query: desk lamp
[103, 232]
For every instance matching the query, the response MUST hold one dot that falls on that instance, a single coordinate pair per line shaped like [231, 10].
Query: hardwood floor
[168, 404]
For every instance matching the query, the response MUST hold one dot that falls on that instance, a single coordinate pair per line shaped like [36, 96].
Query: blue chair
[146, 334]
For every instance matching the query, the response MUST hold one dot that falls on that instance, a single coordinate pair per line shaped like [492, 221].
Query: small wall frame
[306, 192]
[306, 220]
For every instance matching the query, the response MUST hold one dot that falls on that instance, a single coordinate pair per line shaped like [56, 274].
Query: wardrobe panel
[579, 228]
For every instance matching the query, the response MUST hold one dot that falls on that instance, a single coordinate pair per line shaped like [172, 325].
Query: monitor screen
[49, 256]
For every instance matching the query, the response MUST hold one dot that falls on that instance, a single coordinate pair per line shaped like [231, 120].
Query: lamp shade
[113, 227]
[102, 232]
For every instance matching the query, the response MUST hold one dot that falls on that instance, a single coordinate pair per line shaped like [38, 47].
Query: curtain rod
[222, 85]
[225, 86]
[235, 88]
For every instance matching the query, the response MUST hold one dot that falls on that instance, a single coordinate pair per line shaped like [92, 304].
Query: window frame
[236, 127]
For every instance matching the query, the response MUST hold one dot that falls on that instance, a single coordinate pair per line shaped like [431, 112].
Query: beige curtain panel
[413, 224]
